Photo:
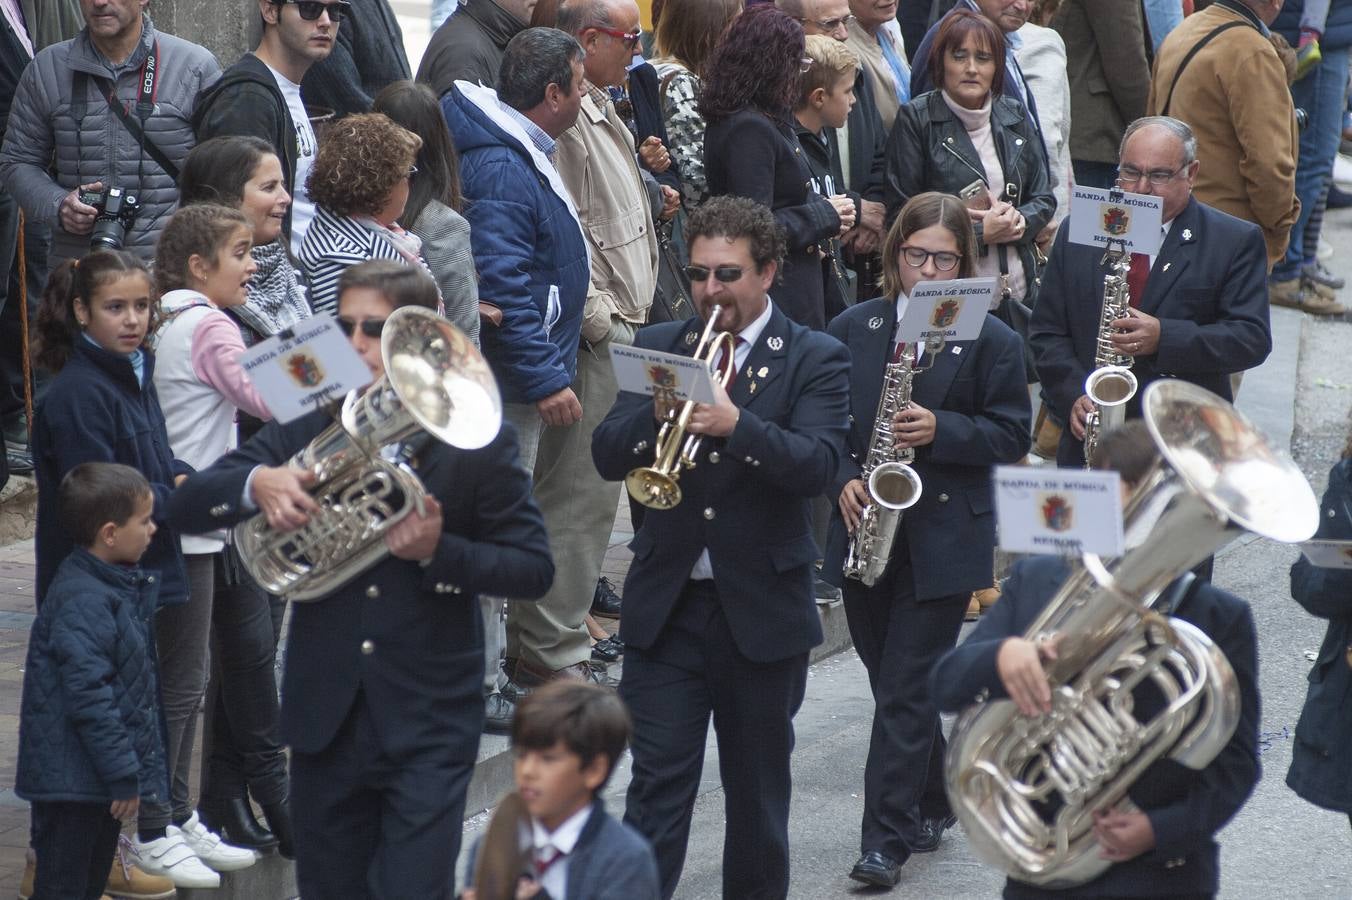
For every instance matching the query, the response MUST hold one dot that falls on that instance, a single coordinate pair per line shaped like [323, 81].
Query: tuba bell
[436, 385]
[1025, 788]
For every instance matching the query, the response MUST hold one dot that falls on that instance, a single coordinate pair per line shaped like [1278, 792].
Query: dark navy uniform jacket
[407, 636]
[977, 392]
[748, 499]
[1208, 288]
[1186, 808]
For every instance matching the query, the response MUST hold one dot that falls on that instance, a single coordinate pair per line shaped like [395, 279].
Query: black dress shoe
[608, 650]
[279, 820]
[234, 821]
[1338, 198]
[605, 602]
[931, 830]
[498, 712]
[877, 869]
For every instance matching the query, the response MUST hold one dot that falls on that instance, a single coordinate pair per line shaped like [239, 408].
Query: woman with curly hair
[751, 150]
[360, 185]
[683, 43]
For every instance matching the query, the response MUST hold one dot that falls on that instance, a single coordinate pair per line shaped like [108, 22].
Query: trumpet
[656, 486]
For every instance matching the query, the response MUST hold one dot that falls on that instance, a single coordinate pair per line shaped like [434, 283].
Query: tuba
[1026, 788]
[893, 485]
[1111, 384]
[436, 384]
[655, 486]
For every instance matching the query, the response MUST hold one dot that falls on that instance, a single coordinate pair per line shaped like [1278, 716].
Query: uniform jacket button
[713, 456]
[455, 589]
[373, 592]
[943, 498]
[368, 647]
[708, 512]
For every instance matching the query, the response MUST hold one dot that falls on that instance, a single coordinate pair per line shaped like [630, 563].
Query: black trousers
[240, 738]
[371, 825]
[74, 844]
[899, 639]
[695, 672]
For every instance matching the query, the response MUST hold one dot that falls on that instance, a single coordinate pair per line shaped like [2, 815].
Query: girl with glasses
[969, 411]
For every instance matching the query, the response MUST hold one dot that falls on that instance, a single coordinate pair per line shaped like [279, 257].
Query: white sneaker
[213, 851]
[172, 858]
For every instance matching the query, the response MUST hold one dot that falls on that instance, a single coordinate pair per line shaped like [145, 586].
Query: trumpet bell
[440, 378]
[894, 485]
[653, 489]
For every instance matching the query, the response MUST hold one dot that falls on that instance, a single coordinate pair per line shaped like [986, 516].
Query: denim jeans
[1323, 96]
[241, 749]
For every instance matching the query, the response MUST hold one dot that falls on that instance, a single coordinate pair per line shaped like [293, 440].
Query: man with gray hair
[529, 249]
[597, 161]
[1199, 309]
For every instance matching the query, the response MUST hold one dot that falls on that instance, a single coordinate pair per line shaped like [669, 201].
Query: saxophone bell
[894, 485]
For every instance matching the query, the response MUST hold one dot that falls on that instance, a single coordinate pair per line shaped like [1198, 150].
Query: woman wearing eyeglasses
[965, 138]
[360, 186]
[751, 150]
[969, 411]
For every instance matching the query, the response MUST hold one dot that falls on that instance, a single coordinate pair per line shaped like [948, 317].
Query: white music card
[1058, 511]
[1100, 217]
[641, 371]
[950, 311]
[1328, 554]
[304, 368]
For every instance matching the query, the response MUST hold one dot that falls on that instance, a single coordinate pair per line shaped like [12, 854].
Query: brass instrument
[1026, 788]
[436, 383]
[892, 484]
[1111, 384]
[655, 486]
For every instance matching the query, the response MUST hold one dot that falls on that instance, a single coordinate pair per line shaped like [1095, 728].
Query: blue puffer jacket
[90, 729]
[528, 247]
[94, 411]
[1337, 27]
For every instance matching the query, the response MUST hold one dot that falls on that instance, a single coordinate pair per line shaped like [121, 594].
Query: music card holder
[1328, 554]
[304, 368]
[1116, 219]
[677, 378]
[1058, 511]
[940, 312]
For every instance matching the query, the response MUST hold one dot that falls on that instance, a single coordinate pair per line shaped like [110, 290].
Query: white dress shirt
[562, 840]
[904, 302]
[703, 569]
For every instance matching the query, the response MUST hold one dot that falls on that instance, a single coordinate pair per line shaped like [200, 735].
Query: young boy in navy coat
[90, 732]
[567, 737]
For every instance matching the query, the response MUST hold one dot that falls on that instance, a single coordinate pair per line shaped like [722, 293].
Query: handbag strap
[1193, 52]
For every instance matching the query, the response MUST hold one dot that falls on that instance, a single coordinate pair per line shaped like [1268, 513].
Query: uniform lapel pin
[957, 350]
[775, 343]
[1166, 266]
[690, 338]
[764, 370]
[875, 323]
[1187, 234]
[751, 388]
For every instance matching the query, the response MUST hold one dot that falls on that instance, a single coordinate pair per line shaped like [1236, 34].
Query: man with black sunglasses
[367, 55]
[261, 94]
[719, 613]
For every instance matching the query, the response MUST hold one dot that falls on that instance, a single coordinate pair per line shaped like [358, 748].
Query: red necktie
[723, 361]
[1136, 276]
[899, 348]
[544, 860]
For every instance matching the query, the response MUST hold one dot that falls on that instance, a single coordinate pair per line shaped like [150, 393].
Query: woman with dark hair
[968, 412]
[683, 43]
[435, 202]
[360, 184]
[751, 150]
[244, 173]
[965, 138]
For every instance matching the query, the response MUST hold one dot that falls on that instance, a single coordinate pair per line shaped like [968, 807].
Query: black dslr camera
[117, 211]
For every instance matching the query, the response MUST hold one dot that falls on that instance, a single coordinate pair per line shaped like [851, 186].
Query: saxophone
[892, 484]
[1111, 384]
[1026, 788]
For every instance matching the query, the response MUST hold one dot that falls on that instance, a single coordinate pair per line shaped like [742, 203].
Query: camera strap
[145, 106]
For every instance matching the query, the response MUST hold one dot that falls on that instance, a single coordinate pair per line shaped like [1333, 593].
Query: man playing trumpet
[719, 615]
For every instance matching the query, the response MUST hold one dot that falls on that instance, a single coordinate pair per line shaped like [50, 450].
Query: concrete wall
[225, 27]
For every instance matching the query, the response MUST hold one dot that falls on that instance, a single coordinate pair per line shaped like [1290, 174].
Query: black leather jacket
[929, 150]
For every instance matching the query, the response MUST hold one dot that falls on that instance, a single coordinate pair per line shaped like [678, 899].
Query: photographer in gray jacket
[113, 107]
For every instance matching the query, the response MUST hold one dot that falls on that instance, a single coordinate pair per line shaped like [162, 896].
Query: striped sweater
[332, 244]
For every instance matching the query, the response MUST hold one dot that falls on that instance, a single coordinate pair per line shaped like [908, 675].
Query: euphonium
[1111, 384]
[1026, 788]
[436, 382]
[655, 486]
[892, 484]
